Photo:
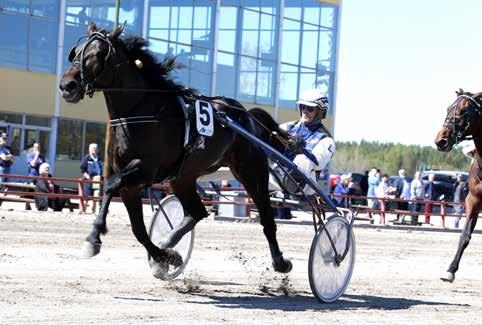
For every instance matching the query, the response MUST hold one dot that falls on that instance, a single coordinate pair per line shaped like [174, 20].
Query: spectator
[344, 187]
[416, 193]
[402, 192]
[34, 160]
[91, 168]
[384, 190]
[42, 203]
[6, 157]
[460, 193]
[373, 182]
[430, 195]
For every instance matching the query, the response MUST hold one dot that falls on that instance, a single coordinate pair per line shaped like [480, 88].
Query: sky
[399, 65]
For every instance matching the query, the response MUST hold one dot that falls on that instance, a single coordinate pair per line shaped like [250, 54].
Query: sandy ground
[228, 279]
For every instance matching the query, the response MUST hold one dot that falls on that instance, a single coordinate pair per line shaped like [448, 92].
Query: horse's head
[462, 121]
[92, 64]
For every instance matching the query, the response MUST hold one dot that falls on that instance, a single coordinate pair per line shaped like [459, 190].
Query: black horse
[148, 133]
[464, 120]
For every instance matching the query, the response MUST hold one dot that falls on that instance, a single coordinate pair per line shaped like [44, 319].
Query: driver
[318, 145]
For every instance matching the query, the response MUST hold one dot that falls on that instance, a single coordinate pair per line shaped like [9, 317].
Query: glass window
[183, 57]
[227, 29]
[250, 33]
[225, 83]
[250, 4]
[79, 12]
[13, 47]
[307, 79]
[69, 139]
[14, 140]
[310, 46]
[200, 71]
[311, 11]
[160, 47]
[43, 41]
[46, 8]
[247, 79]
[265, 82]
[269, 6]
[29, 137]
[267, 37]
[21, 6]
[95, 133]
[291, 42]
[11, 118]
[71, 36]
[37, 120]
[159, 17]
[325, 51]
[288, 85]
[292, 9]
[104, 12]
[328, 16]
[44, 138]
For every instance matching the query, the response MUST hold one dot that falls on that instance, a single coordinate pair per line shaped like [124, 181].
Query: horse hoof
[282, 265]
[449, 277]
[173, 257]
[159, 269]
[90, 250]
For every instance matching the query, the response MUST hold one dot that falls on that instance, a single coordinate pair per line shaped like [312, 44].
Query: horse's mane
[156, 74]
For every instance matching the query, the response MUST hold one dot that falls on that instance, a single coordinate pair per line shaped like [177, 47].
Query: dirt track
[229, 279]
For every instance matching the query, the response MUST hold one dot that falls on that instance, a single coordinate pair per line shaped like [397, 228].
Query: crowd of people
[91, 168]
[415, 196]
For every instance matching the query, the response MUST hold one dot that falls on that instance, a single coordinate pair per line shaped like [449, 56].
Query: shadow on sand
[309, 302]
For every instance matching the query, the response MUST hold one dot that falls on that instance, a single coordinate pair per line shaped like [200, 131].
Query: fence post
[81, 194]
[382, 211]
[442, 213]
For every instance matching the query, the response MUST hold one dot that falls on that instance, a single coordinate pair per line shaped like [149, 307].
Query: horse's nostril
[442, 143]
[71, 85]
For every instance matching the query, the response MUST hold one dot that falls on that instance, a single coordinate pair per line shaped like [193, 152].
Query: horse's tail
[267, 129]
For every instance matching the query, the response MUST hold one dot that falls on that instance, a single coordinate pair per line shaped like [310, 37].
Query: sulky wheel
[328, 277]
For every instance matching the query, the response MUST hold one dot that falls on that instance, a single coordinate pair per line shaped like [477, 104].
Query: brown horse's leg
[472, 208]
[251, 169]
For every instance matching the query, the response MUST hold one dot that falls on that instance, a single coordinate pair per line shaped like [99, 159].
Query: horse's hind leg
[472, 207]
[185, 190]
[133, 203]
[254, 176]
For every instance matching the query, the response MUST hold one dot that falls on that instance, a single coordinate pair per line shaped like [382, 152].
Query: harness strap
[134, 120]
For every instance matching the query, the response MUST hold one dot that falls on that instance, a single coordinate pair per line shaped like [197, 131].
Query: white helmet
[314, 98]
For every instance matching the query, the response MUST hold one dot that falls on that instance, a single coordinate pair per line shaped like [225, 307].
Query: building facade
[260, 52]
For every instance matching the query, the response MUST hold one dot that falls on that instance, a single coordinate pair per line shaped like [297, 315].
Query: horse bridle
[84, 82]
[473, 111]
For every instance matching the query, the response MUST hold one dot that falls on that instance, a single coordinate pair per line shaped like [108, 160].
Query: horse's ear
[92, 28]
[459, 92]
[116, 33]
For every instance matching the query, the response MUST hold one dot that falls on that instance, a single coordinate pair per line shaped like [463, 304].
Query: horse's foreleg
[472, 209]
[93, 243]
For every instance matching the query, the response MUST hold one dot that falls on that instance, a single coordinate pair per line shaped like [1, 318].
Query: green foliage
[389, 158]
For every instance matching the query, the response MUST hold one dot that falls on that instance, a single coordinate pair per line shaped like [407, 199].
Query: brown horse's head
[91, 64]
[462, 121]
